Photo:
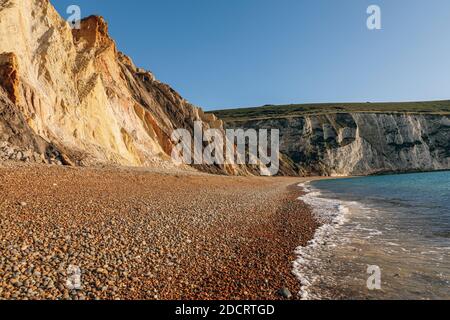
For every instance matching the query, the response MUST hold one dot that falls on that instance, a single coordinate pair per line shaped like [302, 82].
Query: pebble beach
[140, 234]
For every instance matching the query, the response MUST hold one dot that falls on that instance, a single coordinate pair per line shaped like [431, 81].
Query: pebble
[129, 234]
[285, 293]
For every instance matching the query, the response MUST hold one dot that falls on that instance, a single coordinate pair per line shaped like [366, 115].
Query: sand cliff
[83, 97]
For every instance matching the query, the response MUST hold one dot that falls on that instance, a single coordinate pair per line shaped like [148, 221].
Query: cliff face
[70, 97]
[79, 94]
[361, 143]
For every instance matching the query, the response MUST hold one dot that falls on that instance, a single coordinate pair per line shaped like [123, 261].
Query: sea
[383, 237]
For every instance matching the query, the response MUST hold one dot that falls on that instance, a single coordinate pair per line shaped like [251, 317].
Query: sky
[240, 53]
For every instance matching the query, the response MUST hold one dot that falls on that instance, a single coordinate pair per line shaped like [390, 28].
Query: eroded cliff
[75, 91]
[70, 97]
[360, 143]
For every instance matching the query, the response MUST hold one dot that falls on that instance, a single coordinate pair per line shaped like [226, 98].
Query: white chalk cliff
[361, 143]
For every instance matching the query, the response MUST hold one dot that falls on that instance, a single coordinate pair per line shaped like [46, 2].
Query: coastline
[330, 214]
[138, 234]
[368, 222]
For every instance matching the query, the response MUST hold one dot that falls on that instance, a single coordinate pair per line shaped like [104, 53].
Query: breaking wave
[331, 214]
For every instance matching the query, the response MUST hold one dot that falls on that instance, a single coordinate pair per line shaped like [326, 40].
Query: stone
[285, 293]
[65, 160]
[102, 271]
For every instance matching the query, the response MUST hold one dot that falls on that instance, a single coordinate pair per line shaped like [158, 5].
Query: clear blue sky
[236, 53]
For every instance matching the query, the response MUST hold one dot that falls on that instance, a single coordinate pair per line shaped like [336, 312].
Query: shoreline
[139, 234]
[330, 214]
[383, 231]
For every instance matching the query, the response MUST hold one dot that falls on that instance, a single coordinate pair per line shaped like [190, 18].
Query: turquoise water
[399, 223]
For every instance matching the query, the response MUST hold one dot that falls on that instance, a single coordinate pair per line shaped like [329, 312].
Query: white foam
[331, 214]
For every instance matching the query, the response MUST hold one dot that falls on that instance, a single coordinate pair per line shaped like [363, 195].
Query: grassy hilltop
[297, 110]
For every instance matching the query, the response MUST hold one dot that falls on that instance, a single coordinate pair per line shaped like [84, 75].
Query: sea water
[399, 224]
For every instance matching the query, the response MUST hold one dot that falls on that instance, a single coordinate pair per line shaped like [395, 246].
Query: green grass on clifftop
[297, 110]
